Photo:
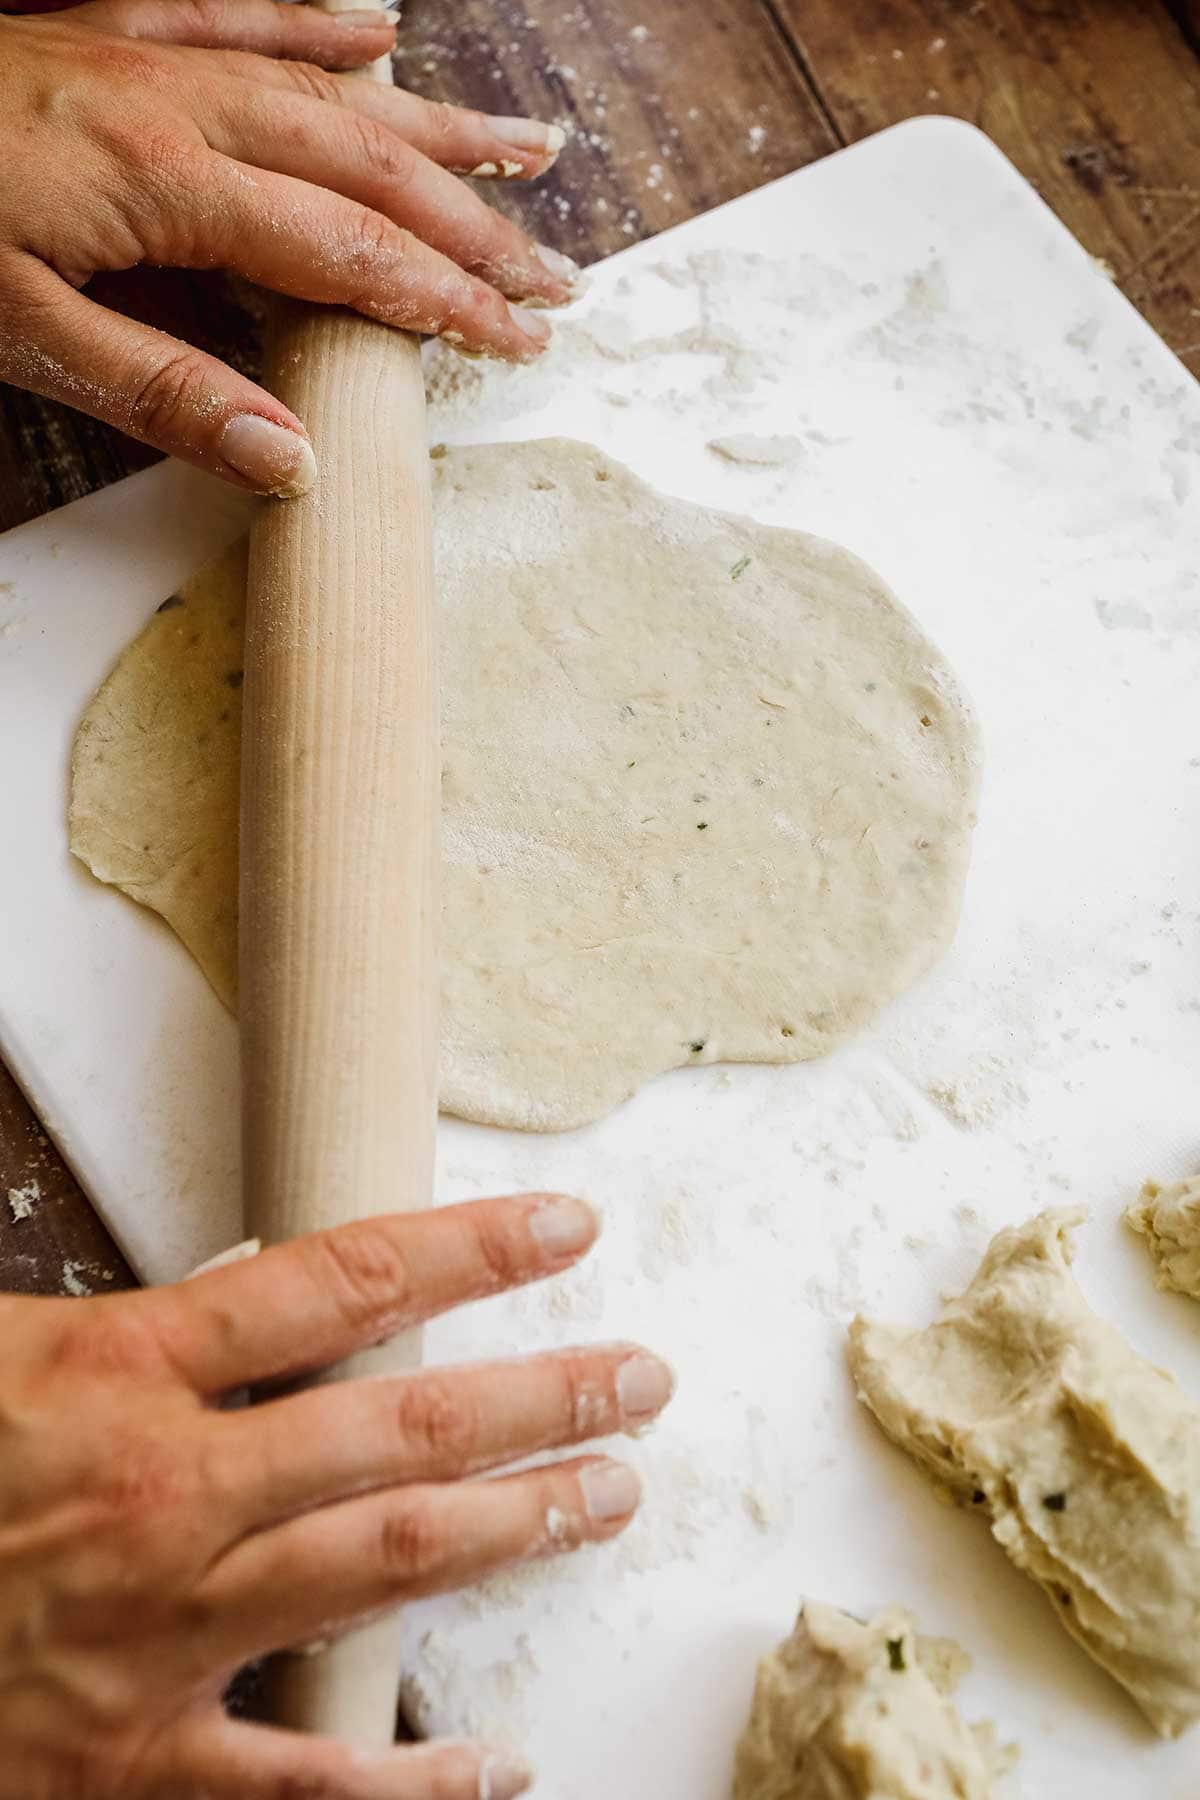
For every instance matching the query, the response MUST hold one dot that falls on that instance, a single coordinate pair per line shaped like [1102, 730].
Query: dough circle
[708, 790]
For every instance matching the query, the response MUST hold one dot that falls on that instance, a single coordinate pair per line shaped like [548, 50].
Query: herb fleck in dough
[1085, 1458]
[708, 791]
[850, 1711]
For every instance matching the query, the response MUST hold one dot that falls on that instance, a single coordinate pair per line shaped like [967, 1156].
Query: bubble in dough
[708, 790]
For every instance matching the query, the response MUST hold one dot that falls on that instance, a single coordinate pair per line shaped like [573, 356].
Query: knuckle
[102, 1340]
[366, 1274]
[482, 313]
[207, 18]
[383, 154]
[122, 57]
[155, 166]
[143, 1499]
[498, 1247]
[165, 161]
[446, 123]
[316, 83]
[412, 1542]
[375, 254]
[437, 1418]
[376, 237]
[177, 389]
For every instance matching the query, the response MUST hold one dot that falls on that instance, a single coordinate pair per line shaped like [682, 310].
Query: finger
[372, 164]
[316, 245]
[152, 386]
[457, 137]
[222, 1759]
[322, 1572]
[334, 1442]
[310, 1303]
[345, 40]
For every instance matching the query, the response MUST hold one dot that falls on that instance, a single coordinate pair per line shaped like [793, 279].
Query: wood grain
[1095, 101]
[339, 891]
[672, 108]
[340, 802]
[51, 1242]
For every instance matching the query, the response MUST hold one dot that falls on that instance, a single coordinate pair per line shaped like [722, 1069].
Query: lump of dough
[1019, 1401]
[760, 452]
[708, 791]
[1169, 1219]
[849, 1711]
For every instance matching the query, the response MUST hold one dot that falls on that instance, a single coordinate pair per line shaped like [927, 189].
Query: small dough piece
[707, 789]
[1169, 1219]
[1085, 1457]
[759, 452]
[847, 1711]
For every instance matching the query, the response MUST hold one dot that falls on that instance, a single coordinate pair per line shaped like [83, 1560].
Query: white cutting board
[979, 413]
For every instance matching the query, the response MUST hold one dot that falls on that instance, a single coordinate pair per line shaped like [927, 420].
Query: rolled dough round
[708, 790]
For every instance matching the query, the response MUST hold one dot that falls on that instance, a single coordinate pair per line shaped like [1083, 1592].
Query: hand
[150, 1543]
[207, 134]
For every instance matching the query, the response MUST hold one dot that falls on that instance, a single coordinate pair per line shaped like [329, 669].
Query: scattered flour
[712, 321]
[979, 1096]
[556, 1524]
[73, 1282]
[22, 1200]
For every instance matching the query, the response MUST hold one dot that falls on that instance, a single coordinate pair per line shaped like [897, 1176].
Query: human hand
[208, 134]
[150, 1543]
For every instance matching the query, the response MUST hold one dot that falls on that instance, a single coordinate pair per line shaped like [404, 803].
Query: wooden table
[675, 106]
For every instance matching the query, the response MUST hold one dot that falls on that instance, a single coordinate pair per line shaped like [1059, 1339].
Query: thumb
[153, 387]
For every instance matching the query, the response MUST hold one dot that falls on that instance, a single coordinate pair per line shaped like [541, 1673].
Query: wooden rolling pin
[339, 818]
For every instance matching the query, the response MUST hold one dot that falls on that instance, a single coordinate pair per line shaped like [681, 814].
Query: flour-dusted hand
[216, 134]
[150, 1542]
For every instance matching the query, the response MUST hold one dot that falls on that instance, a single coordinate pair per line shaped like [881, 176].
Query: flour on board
[22, 1200]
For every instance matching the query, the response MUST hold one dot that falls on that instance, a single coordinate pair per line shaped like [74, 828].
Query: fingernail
[529, 322]
[563, 268]
[274, 459]
[610, 1491]
[560, 1225]
[530, 134]
[502, 1776]
[644, 1385]
[369, 19]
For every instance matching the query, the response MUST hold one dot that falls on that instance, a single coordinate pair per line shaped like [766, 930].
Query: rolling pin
[339, 833]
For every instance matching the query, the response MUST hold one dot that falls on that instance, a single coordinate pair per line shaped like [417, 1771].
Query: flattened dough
[851, 1711]
[1169, 1219]
[1085, 1457]
[708, 790]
